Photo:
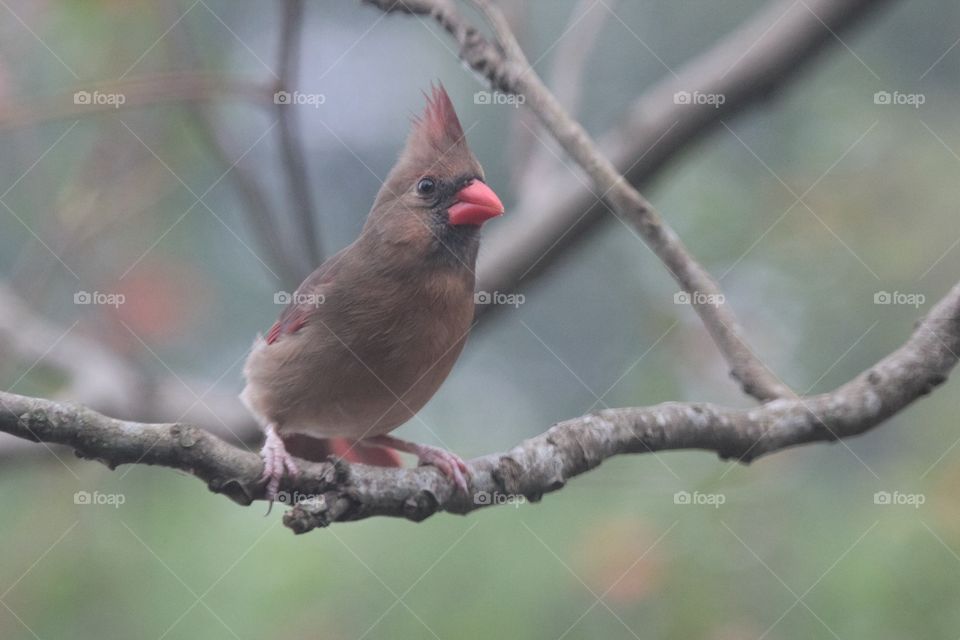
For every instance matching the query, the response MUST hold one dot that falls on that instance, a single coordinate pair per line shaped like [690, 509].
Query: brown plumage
[372, 333]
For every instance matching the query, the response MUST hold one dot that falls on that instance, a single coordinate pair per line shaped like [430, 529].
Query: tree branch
[506, 68]
[334, 492]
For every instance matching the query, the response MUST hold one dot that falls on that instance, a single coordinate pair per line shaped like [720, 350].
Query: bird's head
[435, 196]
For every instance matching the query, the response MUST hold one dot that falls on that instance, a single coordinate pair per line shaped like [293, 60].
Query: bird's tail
[319, 449]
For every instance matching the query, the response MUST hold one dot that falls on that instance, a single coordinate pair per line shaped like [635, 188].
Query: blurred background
[137, 266]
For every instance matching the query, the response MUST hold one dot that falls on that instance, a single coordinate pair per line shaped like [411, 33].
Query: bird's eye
[426, 186]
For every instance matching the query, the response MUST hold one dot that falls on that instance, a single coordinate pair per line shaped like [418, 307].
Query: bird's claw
[449, 464]
[276, 463]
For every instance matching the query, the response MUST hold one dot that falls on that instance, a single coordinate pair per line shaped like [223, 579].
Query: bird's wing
[306, 298]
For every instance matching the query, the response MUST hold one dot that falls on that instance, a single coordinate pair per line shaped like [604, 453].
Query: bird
[369, 337]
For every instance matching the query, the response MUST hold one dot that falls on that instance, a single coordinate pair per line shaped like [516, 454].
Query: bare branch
[333, 492]
[506, 68]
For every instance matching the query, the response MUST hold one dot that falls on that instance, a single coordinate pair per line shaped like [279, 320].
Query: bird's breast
[378, 361]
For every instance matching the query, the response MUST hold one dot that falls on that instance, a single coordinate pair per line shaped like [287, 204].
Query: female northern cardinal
[373, 332]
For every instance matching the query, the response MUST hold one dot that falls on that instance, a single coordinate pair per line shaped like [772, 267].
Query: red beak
[476, 203]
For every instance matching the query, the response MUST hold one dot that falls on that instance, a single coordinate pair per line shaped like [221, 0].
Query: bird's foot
[449, 464]
[276, 462]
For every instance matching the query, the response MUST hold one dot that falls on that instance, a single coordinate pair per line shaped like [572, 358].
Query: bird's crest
[438, 125]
